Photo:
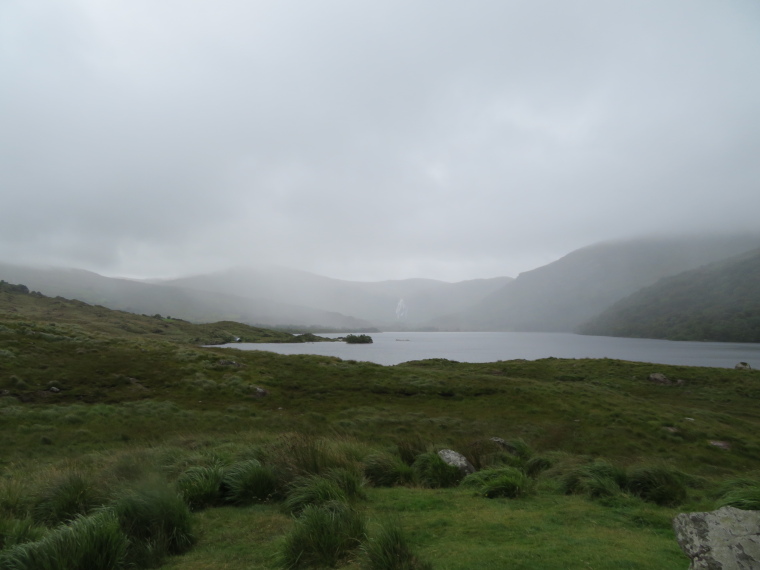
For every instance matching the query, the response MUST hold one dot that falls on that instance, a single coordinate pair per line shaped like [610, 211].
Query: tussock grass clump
[15, 498]
[537, 465]
[499, 482]
[740, 493]
[15, 531]
[660, 484]
[313, 490]
[389, 549]
[89, 542]
[64, 497]
[595, 480]
[250, 482]
[201, 487]
[323, 536]
[302, 454]
[410, 448]
[157, 522]
[433, 472]
[387, 470]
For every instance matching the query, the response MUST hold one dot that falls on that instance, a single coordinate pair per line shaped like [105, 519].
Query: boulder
[726, 539]
[743, 366]
[451, 457]
[659, 378]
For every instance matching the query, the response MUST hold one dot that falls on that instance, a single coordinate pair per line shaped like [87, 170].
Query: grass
[136, 406]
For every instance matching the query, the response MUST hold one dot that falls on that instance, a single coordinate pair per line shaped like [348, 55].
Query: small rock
[451, 457]
[671, 429]
[54, 390]
[720, 444]
[743, 366]
[260, 392]
[659, 378]
[726, 539]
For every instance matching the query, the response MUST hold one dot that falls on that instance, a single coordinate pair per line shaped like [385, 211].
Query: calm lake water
[394, 348]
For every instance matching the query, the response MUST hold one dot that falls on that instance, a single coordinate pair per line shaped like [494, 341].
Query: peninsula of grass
[128, 448]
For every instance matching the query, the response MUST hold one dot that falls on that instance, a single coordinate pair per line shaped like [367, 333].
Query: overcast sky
[370, 140]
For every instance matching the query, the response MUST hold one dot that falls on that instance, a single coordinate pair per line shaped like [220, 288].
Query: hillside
[564, 294]
[186, 303]
[375, 302]
[102, 410]
[18, 304]
[719, 302]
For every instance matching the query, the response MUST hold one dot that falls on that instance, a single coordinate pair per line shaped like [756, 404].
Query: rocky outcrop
[451, 457]
[726, 539]
[743, 366]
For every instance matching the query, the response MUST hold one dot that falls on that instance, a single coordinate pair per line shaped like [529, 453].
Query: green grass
[132, 406]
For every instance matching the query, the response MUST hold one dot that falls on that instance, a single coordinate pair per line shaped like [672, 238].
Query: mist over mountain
[718, 302]
[563, 295]
[185, 303]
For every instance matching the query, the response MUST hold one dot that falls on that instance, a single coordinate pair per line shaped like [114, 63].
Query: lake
[393, 348]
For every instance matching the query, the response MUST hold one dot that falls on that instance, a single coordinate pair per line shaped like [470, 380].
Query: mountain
[376, 302]
[185, 303]
[719, 302]
[564, 294]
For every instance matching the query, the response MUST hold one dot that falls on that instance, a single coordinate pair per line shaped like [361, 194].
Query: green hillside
[227, 457]
[719, 302]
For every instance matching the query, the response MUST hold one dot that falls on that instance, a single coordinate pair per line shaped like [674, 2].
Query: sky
[370, 140]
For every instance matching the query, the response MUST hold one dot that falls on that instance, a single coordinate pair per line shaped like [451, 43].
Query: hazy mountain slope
[147, 298]
[565, 294]
[370, 301]
[718, 302]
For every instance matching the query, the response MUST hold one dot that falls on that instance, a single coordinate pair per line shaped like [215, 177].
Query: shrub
[499, 482]
[157, 522]
[323, 536]
[95, 541]
[313, 490]
[389, 549]
[387, 470]
[250, 482]
[201, 487]
[65, 497]
[658, 484]
[741, 494]
[433, 472]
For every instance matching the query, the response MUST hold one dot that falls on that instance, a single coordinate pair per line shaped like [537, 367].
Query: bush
[659, 484]
[65, 497]
[157, 522]
[201, 487]
[87, 543]
[250, 482]
[323, 536]
[389, 550]
[499, 482]
[387, 470]
[741, 494]
[433, 472]
[358, 339]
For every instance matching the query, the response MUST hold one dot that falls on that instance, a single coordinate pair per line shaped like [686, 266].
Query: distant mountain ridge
[718, 302]
[563, 295]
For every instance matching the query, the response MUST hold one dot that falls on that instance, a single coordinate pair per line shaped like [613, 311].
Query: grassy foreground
[237, 457]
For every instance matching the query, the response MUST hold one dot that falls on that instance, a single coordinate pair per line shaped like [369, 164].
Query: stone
[260, 392]
[451, 457]
[726, 539]
[743, 366]
[54, 390]
[659, 378]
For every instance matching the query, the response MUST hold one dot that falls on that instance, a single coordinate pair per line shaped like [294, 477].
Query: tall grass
[595, 480]
[249, 482]
[323, 536]
[740, 493]
[88, 543]
[433, 472]
[201, 487]
[387, 470]
[388, 549]
[64, 497]
[658, 484]
[157, 522]
[499, 482]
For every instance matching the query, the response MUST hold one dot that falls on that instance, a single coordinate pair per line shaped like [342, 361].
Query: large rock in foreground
[726, 539]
